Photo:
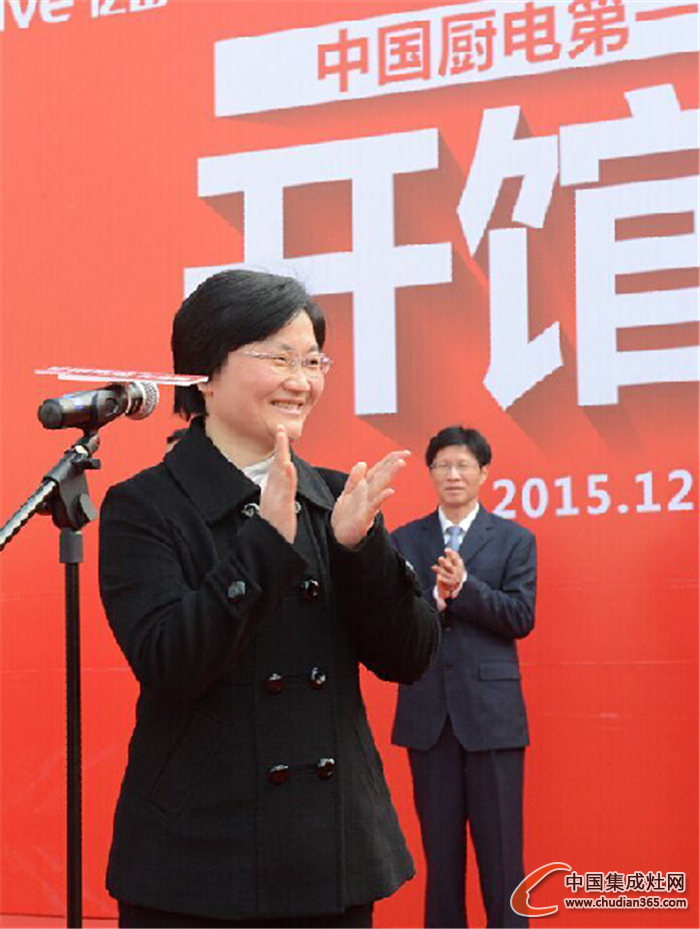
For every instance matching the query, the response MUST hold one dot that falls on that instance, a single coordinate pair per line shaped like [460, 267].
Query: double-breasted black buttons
[236, 591]
[274, 684]
[325, 768]
[317, 678]
[278, 774]
[310, 588]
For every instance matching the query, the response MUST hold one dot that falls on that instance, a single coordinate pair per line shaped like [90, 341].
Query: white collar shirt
[464, 524]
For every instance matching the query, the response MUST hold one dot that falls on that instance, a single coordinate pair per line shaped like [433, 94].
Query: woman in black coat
[244, 587]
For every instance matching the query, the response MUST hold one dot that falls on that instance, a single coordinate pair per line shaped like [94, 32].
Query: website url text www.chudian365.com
[634, 903]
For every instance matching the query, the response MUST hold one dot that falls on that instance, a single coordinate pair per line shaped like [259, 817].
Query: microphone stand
[63, 493]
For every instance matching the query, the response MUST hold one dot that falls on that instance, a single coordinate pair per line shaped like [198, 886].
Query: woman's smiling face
[247, 399]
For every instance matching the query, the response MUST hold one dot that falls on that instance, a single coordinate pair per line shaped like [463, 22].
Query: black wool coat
[253, 786]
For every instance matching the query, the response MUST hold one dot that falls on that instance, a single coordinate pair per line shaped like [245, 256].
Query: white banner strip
[443, 47]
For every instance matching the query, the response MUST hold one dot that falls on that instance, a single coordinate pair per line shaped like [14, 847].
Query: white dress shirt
[464, 524]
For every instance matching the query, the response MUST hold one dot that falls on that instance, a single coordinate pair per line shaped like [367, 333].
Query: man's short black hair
[458, 435]
[228, 310]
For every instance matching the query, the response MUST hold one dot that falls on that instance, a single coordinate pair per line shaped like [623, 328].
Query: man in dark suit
[464, 721]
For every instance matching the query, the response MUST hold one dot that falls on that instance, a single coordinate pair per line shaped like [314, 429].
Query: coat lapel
[217, 487]
[477, 536]
[311, 485]
[213, 484]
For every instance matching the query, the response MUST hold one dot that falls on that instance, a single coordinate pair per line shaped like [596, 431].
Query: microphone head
[145, 400]
[50, 414]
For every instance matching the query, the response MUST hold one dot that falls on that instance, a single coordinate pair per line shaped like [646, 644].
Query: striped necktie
[453, 534]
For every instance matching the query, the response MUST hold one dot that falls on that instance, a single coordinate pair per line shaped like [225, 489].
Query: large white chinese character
[516, 362]
[657, 125]
[374, 268]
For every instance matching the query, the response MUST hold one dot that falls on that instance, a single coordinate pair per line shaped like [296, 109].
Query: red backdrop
[106, 112]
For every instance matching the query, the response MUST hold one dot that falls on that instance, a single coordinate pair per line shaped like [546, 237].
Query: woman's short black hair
[228, 310]
[458, 435]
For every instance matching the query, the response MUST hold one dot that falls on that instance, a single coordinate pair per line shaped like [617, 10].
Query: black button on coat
[204, 601]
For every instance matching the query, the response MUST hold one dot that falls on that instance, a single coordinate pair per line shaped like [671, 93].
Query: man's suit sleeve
[508, 611]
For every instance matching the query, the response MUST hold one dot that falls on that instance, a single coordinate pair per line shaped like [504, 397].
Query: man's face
[457, 477]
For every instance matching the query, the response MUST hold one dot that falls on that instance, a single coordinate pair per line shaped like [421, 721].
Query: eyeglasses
[462, 467]
[287, 362]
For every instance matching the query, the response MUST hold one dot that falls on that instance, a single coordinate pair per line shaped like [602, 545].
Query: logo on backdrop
[520, 898]
[24, 13]
[612, 888]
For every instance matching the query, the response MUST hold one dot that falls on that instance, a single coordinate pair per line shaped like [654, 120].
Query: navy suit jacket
[475, 677]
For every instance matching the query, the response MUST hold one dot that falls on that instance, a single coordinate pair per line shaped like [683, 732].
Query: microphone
[93, 408]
